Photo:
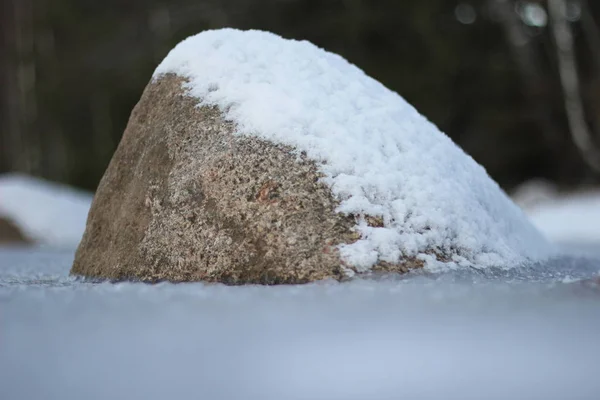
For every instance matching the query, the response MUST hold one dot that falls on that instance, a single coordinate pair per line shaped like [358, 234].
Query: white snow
[379, 155]
[48, 213]
[566, 218]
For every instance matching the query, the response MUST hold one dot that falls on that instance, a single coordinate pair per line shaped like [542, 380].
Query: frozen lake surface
[531, 333]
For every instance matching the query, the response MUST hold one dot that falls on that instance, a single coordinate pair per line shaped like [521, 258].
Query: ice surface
[415, 338]
[49, 213]
[379, 155]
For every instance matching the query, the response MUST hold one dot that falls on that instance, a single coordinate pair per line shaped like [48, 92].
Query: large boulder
[255, 159]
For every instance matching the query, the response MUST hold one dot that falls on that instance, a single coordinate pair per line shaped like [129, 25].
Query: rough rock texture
[184, 199]
[10, 233]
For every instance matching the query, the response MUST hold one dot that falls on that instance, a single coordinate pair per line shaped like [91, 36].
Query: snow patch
[379, 155]
[572, 218]
[48, 213]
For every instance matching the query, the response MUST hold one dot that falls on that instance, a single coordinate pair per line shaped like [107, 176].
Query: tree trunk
[569, 77]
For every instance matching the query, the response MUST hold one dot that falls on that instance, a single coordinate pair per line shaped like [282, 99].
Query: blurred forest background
[515, 83]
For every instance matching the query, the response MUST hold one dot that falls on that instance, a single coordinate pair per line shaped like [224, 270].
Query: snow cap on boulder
[255, 159]
[380, 157]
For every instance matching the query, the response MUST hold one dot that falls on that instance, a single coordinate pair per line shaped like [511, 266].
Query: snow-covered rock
[411, 195]
[46, 213]
[10, 233]
[532, 193]
[378, 154]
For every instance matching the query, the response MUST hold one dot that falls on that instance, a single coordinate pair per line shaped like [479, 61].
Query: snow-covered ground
[48, 213]
[416, 338]
[569, 219]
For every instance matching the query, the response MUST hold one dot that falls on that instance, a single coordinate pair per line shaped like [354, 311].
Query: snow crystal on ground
[379, 155]
[63, 338]
[48, 213]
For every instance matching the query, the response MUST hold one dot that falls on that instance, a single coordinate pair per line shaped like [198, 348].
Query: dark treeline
[515, 83]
